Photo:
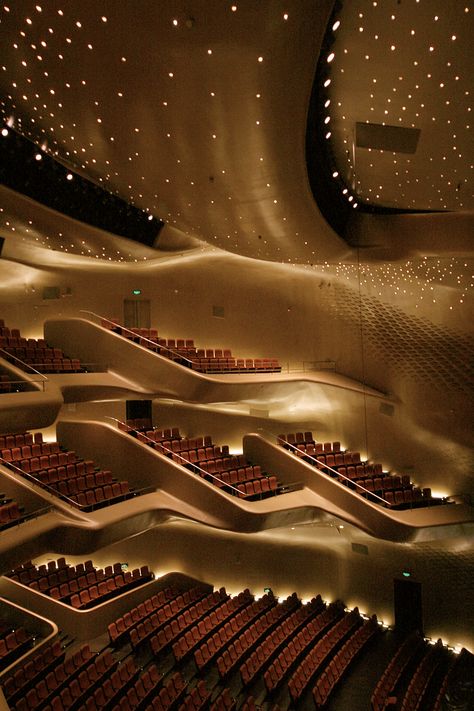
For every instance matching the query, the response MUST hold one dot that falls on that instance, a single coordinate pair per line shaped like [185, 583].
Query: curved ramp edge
[420, 524]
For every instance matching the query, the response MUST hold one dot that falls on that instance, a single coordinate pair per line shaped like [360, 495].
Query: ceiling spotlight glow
[4, 132]
[327, 82]
[335, 174]
[327, 119]
[69, 176]
[330, 57]
[336, 25]
[38, 156]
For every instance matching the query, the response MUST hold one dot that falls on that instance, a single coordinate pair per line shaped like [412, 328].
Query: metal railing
[24, 518]
[318, 464]
[134, 335]
[186, 462]
[179, 357]
[26, 367]
[308, 366]
[36, 483]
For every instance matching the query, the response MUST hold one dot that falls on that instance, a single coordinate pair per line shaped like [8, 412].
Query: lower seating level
[195, 648]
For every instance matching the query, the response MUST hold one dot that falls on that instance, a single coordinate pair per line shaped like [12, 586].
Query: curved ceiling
[406, 66]
[197, 112]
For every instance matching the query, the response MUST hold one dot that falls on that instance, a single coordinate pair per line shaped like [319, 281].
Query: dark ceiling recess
[323, 175]
[381, 137]
[27, 169]
[336, 199]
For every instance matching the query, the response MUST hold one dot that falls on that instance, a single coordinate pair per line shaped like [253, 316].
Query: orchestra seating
[196, 649]
[234, 474]
[82, 586]
[184, 352]
[61, 472]
[35, 353]
[368, 479]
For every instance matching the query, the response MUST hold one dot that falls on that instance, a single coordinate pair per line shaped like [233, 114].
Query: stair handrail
[320, 464]
[64, 497]
[26, 365]
[136, 335]
[186, 461]
[36, 483]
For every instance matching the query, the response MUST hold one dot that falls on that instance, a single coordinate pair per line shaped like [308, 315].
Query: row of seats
[233, 473]
[394, 670]
[41, 361]
[213, 645]
[187, 642]
[235, 365]
[13, 643]
[224, 702]
[167, 634]
[20, 439]
[68, 681]
[143, 688]
[105, 690]
[418, 685]
[169, 695]
[331, 625]
[86, 681]
[183, 351]
[83, 589]
[168, 601]
[36, 353]
[238, 648]
[54, 572]
[453, 684]
[78, 481]
[10, 384]
[245, 481]
[397, 491]
[144, 426]
[9, 512]
[278, 640]
[250, 705]
[29, 673]
[173, 617]
[98, 593]
[338, 666]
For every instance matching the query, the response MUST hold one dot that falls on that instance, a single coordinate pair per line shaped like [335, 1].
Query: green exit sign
[136, 292]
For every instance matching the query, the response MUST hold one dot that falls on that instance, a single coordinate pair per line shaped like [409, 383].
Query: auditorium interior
[236, 355]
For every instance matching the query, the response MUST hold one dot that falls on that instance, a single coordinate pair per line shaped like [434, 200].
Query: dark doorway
[407, 605]
[136, 313]
[139, 410]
